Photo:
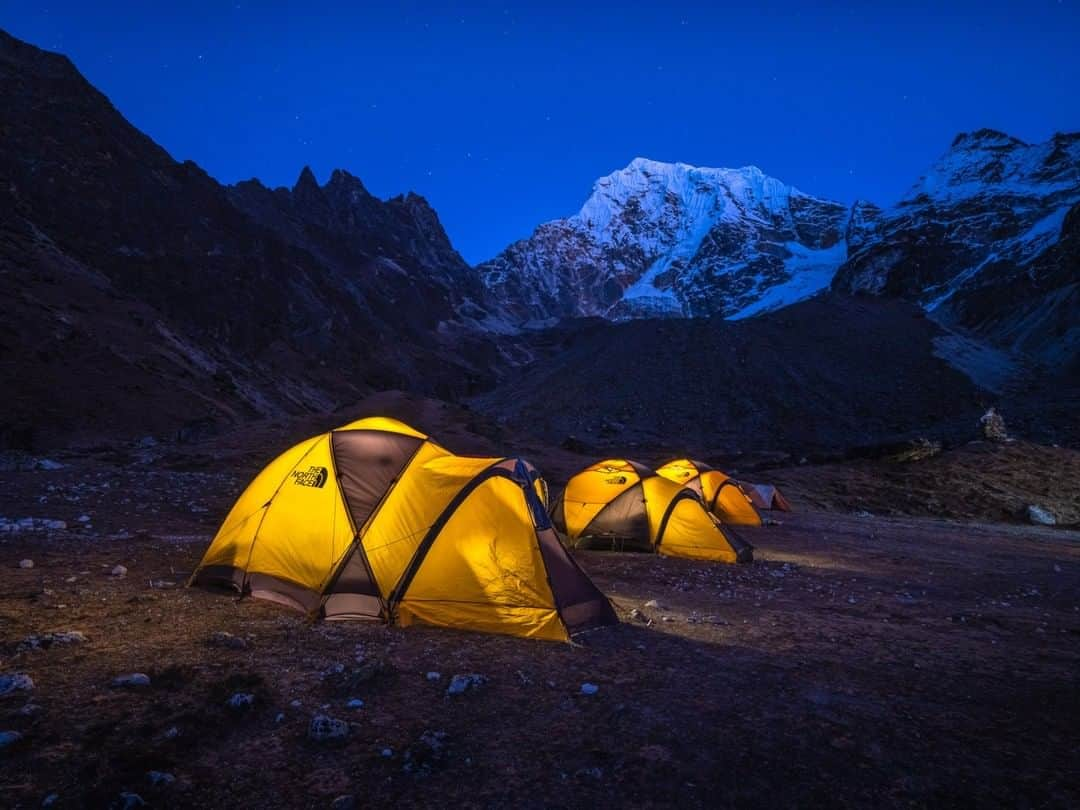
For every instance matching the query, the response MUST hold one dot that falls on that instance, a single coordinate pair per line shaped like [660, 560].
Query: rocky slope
[674, 240]
[818, 376]
[988, 239]
[140, 295]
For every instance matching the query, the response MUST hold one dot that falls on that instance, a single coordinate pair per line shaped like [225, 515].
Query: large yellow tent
[375, 520]
[621, 504]
[722, 494]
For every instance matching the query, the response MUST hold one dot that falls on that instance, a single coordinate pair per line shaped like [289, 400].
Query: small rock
[387, 752]
[29, 710]
[652, 604]
[296, 704]
[460, 684]
[160, 778]
[1040, 516]
[241, 701]
[172, 733]
[228, 640]
[131, 680]
[428, 752]
[343, 803]
[355, 703]
[45, 640]
[433, 676]
[50, 800]
[84, 518]
[9, 738]
[589, 689]
[993, 426]
[26, 563]
[127, 801]
[324, 728]
[667, 618]
[280, 718]
[851, 600]
[18, 681]
[119, 571]
[48, 464]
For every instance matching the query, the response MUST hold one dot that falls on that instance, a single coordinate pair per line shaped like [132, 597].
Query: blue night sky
[503, 114]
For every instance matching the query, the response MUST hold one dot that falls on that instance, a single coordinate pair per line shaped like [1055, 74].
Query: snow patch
[810, 271]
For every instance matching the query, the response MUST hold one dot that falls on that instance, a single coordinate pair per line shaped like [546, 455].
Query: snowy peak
[671, 239]
[988, 162]
[978, 241]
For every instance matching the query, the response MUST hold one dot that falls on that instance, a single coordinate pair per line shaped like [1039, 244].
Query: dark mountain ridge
[141, 297]
[141, 282]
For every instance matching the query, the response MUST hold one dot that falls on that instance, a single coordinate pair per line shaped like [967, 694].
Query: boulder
[1040, 515]
[324, 728]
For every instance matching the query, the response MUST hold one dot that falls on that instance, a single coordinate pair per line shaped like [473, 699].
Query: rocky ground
[861, 659]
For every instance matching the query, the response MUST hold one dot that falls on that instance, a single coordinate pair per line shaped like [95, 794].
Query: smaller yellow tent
[723, 495]
[622, 505]
[374, 520]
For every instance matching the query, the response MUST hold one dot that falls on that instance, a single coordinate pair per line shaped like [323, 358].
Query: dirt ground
[896, 661]
[981, 480]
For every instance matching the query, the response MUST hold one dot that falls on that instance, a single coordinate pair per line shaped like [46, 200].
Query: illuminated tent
[766, 496]
[723, 495]
[623, 505]
[376, 521]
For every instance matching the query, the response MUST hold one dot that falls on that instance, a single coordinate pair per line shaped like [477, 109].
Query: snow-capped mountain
[662, 239]
[982, 241]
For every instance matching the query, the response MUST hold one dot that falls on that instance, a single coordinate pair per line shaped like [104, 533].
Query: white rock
[388, 752]
[460, 684]
[59, 638]
[119, 571]
[433, 676]
[160, 778]
[16, 682]
[589, 689]
[355, 703]
[84, 518]
[26, 563]
[131, 680]
[652, 604]
[241, 701]
[1040, 516]
[324, 728]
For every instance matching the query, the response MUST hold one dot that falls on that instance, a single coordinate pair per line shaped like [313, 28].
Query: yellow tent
[374, 520]
[723, 496]
[621, 504]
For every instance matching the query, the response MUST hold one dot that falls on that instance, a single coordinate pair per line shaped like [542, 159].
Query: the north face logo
[311, 477]
[618, 479]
